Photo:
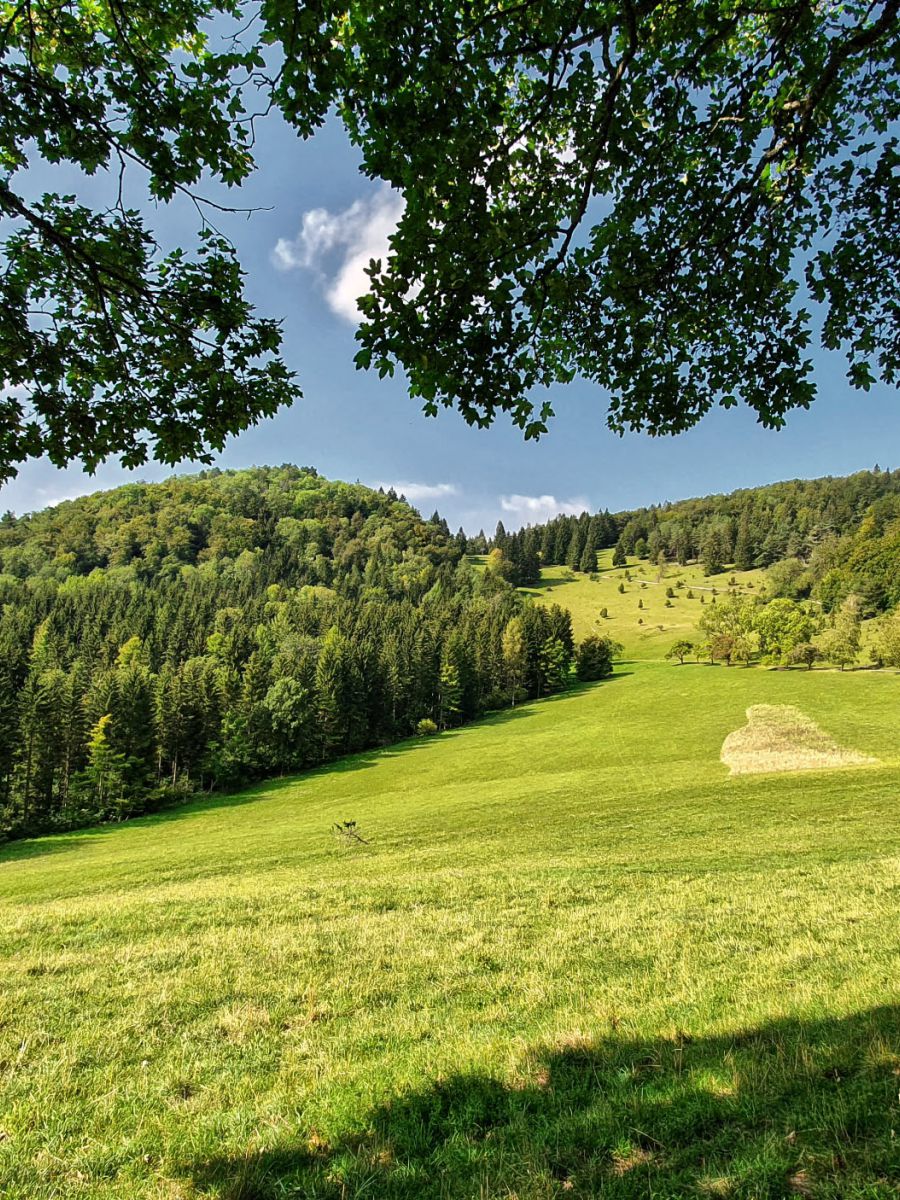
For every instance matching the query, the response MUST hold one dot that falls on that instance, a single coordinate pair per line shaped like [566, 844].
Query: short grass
[575, 960]
[647, 631]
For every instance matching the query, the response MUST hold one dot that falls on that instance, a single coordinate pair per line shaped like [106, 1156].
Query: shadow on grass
[28, 848]
[789, 1109]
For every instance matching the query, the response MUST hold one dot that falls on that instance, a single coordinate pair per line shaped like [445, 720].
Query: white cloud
[422, 491]
[532, 510]
[339, 246]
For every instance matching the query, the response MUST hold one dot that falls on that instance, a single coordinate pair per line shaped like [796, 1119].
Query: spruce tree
[575, 547]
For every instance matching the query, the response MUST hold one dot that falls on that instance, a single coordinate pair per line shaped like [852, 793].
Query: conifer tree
[575, 547]
[515, 658]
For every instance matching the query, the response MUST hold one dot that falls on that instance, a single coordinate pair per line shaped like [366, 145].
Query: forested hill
[836, 536]
[267, 524]
[222, 627]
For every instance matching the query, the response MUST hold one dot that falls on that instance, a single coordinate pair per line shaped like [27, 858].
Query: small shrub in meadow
[426, 727]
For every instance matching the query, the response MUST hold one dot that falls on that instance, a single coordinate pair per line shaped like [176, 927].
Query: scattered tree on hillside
[730, 629]
[805, 653]
[594, 657]
[840, 644]
[887, 640]
[680, 650]
[781, 625]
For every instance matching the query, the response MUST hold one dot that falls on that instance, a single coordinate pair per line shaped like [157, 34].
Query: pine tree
[575, 547]
[450, 691]
[104, 778]
[712, 552]
[555, 662]
[515, 657]
[743, 546]
[588, 561]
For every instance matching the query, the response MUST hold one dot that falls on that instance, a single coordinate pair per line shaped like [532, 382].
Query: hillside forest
[205, 632]
[165, 639]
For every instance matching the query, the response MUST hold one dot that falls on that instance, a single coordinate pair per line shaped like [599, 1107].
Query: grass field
[649, 631]
[576, 958]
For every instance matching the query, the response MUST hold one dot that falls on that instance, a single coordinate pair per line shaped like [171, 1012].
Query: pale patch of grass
[779, 737]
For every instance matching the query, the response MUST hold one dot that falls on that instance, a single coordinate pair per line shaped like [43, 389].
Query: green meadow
[638, 617]
[573, 957]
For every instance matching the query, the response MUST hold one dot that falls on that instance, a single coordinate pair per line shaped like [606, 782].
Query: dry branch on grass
[347, 829]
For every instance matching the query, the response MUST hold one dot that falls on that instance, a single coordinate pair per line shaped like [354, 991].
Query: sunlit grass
[576, 959]
[649, 630]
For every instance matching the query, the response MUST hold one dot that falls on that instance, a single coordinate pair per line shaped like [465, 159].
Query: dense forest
[210, 630]
[827, 539]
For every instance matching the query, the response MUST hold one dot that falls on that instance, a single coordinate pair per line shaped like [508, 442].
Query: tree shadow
[789, 1109]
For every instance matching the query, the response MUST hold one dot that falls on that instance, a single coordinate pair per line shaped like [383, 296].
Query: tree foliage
[109, 345]
[594, 657]
[618, 191]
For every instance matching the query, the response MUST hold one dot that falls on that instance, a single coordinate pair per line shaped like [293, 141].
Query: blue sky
[319, 221]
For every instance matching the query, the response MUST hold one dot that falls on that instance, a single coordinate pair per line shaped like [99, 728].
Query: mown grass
[576, 959]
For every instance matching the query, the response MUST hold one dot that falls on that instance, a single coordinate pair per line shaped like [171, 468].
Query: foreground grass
[576, 959]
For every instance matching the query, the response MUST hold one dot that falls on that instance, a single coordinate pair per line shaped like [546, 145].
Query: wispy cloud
[532, 510]
[422, 491]
[339, 247]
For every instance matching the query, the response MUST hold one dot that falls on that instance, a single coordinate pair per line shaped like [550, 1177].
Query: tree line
[824, 539]
[782, 632]
[165, 639]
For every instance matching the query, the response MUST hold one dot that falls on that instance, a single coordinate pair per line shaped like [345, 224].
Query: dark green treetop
[647, 195]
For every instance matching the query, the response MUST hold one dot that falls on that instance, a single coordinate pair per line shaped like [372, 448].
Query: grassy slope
[576, 960]
[585, 597]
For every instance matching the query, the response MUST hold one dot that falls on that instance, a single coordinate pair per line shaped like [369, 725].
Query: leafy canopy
[648, 195]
